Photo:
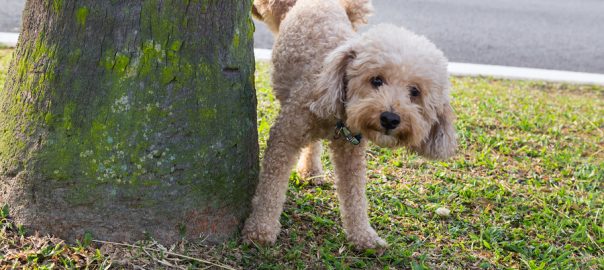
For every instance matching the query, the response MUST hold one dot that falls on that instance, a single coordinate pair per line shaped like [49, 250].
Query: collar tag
[342, 130]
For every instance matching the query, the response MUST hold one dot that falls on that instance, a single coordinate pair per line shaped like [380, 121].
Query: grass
[525, 191]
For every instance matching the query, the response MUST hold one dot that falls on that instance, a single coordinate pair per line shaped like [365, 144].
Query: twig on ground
[223, 266]
[169, 264]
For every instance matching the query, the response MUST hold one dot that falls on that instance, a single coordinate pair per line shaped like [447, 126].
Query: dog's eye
[414, 91]
[377, 81]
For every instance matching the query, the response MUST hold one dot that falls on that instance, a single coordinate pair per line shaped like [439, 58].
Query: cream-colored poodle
[387, 85]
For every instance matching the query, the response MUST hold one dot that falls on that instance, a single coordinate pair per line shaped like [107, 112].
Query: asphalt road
[10, 15]
[550, 34]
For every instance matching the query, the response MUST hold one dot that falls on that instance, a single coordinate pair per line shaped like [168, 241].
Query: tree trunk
[131, 119]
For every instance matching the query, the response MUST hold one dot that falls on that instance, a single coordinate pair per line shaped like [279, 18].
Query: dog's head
[392, 86]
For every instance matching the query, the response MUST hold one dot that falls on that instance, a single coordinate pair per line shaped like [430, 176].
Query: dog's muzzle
[390, 120]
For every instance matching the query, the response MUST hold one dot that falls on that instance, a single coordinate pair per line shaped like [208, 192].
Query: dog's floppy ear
[330, 90]
[442, 141]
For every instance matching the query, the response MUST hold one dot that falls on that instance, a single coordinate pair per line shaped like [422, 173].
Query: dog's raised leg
[350, 170]
[309, 165]
[283, 146]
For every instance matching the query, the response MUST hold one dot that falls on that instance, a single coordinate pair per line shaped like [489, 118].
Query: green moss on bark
[161, 114]
[20, 107]
[57, 5]
[81, 15]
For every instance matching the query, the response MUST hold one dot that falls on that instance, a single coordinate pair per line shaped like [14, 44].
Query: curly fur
[272, 12]
[322, 71]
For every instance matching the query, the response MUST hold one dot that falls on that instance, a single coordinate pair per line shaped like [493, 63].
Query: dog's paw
[258, 232]
[368, 240]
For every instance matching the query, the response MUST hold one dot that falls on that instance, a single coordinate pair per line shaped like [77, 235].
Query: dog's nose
[390, 120]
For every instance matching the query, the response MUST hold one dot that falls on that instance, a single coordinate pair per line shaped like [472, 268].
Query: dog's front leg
[286, 139]
[350, 169]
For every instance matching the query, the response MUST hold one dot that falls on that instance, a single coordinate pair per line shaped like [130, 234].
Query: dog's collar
[344, 132]
[341, 129]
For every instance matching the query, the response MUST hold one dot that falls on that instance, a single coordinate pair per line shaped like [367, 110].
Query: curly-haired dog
[387, 85]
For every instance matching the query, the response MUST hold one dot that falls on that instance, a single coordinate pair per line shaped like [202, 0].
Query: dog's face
[391, 86]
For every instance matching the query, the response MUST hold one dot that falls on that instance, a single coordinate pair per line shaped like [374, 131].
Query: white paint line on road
[458, 69]
[9, 39]
[263, 54]
[518, 73]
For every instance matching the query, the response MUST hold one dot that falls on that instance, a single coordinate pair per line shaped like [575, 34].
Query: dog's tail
[272, 12]
[358, 11]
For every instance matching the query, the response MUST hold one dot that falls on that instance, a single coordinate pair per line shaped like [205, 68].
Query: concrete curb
[458, 69]
[9, 39]
[519, 73]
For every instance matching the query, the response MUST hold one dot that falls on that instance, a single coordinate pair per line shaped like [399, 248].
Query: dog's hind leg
[350, 169]
[309, 166]
[284, 144]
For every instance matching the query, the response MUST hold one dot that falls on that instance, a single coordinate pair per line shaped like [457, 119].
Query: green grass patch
[5, 56]
[525, 191]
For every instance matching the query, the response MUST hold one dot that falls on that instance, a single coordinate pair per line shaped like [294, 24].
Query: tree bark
[131, 119]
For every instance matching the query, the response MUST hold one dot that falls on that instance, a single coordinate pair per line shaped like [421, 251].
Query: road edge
[456, 69]
[504, 72]
[9, 39]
